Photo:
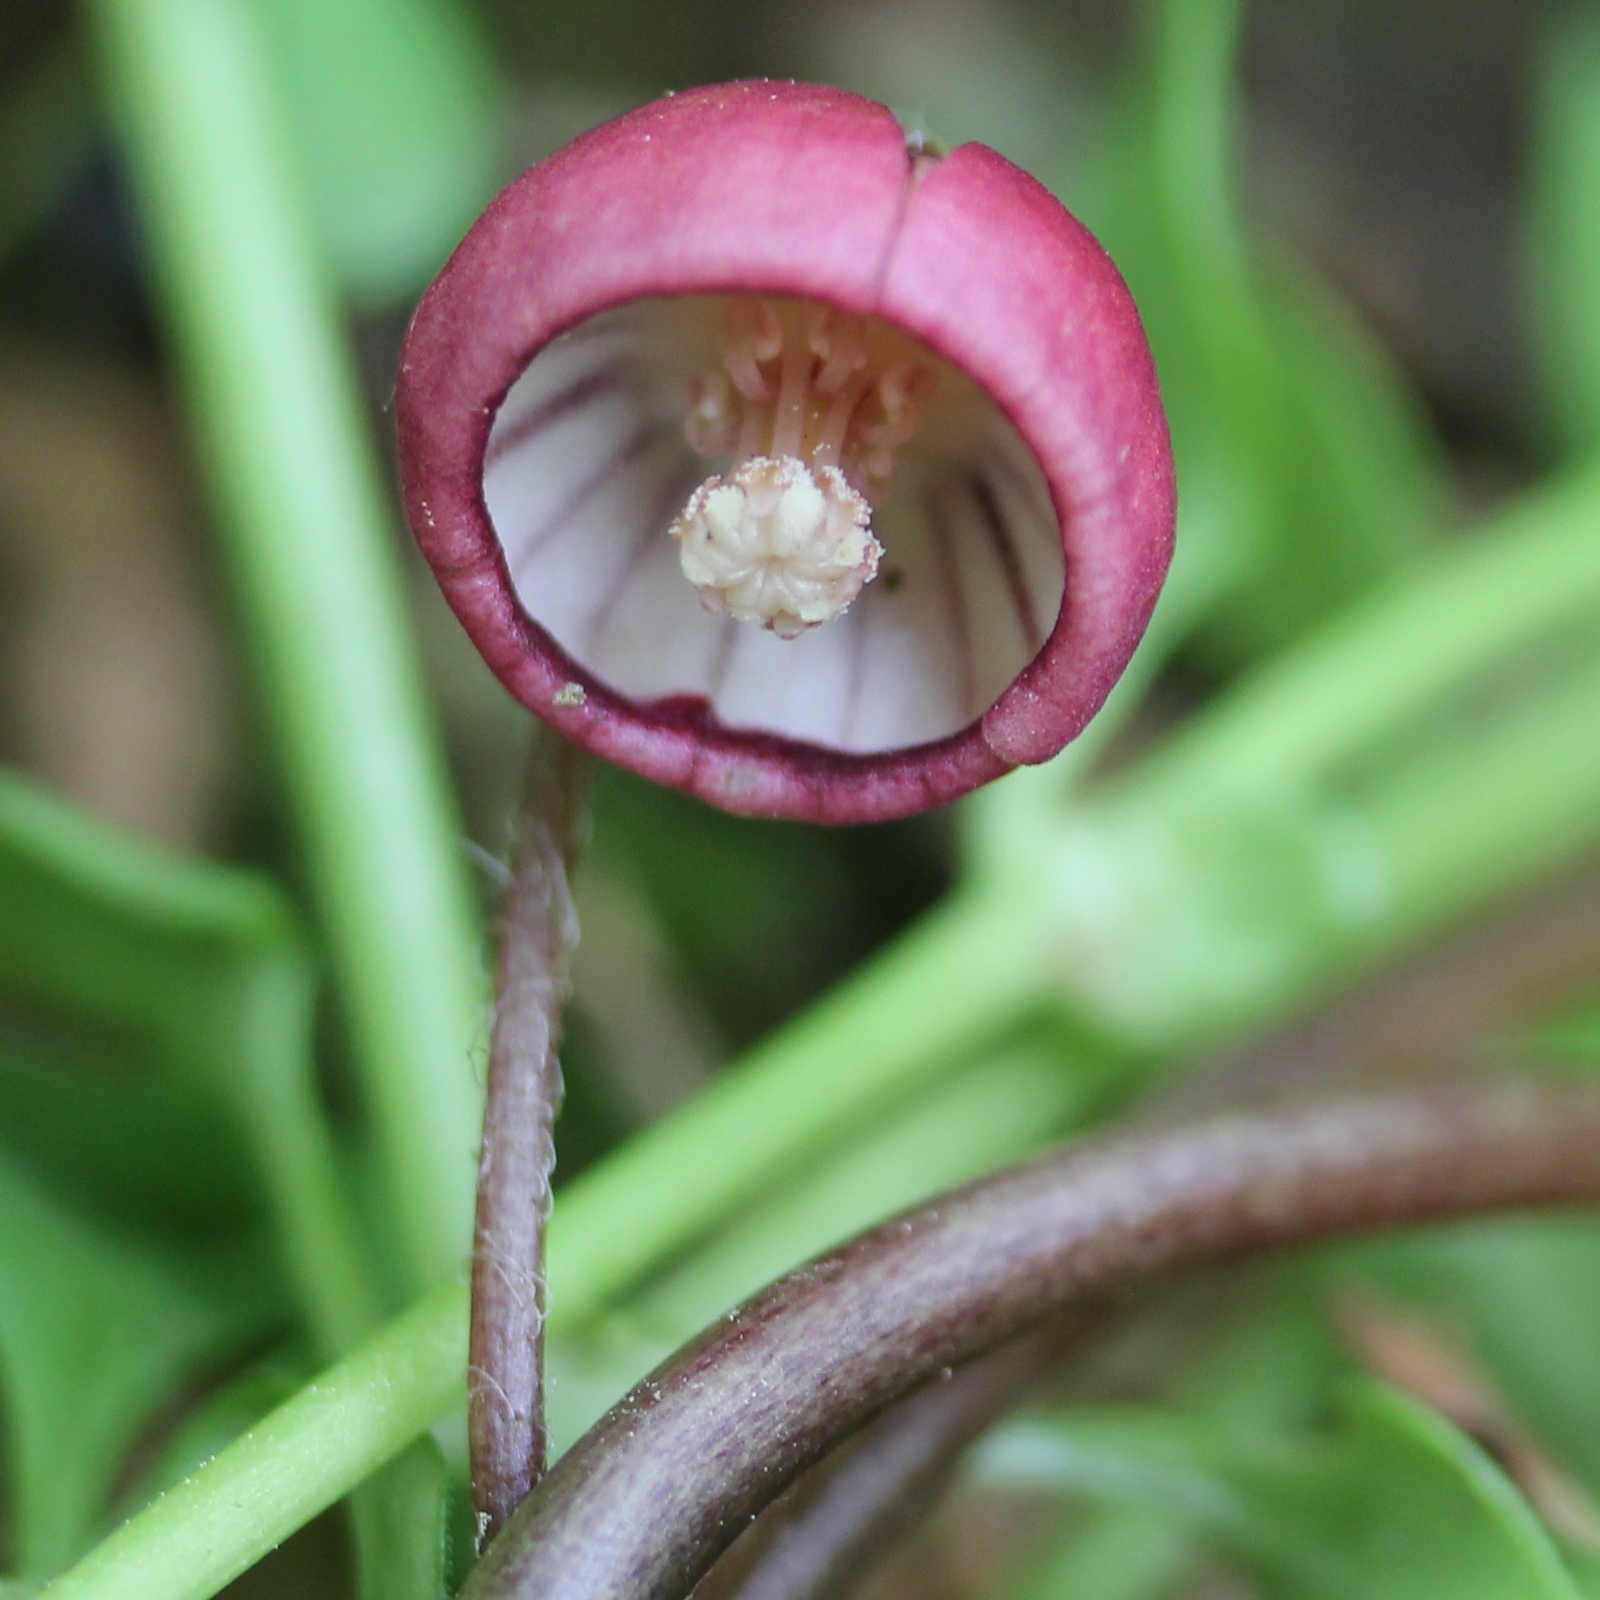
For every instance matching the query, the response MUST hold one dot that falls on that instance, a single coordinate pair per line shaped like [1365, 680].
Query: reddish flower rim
[791, 189]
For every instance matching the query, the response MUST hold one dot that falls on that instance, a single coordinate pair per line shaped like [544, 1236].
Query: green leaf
[114, 1032]
[155, 1047]
[1307, 468]
[1112, 1552]
[155, 1059]
[99, 1331]
[1392, 1504]
[1563, 155]
[1403, 1505]
[1526, 1292]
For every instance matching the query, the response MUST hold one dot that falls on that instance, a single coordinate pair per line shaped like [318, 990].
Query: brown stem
[644, 1503]
[537, 930]
[821, 1536]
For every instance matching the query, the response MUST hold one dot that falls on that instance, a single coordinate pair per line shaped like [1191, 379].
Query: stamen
[836, 423]
[755, 334]
[712, 423]
[841, 343]
[901, 395]
[789, 417]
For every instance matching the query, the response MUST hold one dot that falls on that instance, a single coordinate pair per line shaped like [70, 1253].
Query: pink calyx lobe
[737, 205]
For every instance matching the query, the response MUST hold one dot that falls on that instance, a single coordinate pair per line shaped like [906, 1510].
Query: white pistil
[782, 538]
[775, 543]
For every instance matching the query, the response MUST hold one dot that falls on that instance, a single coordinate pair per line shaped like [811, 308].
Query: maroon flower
[783, 463]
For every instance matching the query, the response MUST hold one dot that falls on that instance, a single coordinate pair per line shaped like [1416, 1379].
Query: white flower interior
[806, 520]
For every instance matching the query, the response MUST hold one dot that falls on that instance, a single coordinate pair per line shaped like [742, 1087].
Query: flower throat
[812, 415]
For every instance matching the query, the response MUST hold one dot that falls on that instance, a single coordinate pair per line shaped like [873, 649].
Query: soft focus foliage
[236, 1099]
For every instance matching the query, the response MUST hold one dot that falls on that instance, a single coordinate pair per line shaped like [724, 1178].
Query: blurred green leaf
[100, 1332]
[155, 1053]
[1526, 1291]
[117, 1022]
[1391, 1504]
[155, 1048]
[1112, 1552]
[396, 117]
[1403, 1505]
[1563, 156]
[1306, 471]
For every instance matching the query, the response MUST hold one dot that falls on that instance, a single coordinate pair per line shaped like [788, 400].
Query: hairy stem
[659, 1488]
[538, 928]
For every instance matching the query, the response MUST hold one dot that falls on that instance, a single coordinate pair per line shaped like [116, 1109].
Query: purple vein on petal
[859, 625]
[723, 659]
[550, 527]
[995, 524]
[677, 487]
[1038, 510]
[1035, 519]
[955, 598]
[581, 392]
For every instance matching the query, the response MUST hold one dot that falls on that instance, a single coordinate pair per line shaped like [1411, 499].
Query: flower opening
[865, 570]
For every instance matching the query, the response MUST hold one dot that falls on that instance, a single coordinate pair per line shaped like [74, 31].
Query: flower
[780, 460]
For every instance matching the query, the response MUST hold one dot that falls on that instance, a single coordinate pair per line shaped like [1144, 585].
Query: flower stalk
[537, 930]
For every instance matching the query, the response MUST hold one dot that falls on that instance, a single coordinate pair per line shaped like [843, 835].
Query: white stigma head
[777, 542]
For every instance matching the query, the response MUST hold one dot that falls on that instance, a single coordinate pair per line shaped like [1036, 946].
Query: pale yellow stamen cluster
[812, 422]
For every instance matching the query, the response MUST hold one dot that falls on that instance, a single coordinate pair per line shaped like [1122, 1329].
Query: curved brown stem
[537, 929]
[662, 1484]
[824, 1532]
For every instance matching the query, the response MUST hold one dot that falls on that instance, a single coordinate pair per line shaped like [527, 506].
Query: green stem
[914, 1013]
[1452, 621]
[282, 1119]
[295, 1463]
[279, 427]
[1497, 808]
[990, 1115]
